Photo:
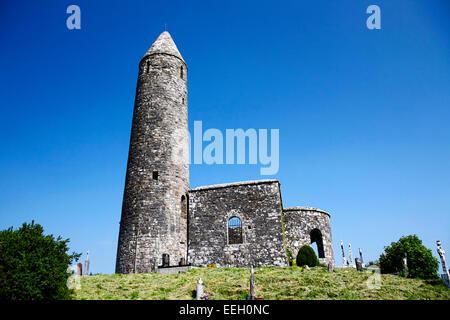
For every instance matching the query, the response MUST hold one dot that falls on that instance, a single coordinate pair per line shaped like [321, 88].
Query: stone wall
[300, 224]
[257, 204]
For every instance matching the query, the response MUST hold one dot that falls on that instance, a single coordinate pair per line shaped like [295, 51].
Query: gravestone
[79, 269]
[350, 255]
[251, 295]
[199, 293]
[446, 274]
[344, 260]
[358, 264]
[361, 258]
[153, 265]
[86, 264]
[330, 267]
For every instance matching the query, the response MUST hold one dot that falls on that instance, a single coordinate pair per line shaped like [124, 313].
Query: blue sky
[363, 114]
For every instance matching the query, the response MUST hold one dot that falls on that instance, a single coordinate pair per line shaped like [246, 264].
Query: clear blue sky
[363, 114]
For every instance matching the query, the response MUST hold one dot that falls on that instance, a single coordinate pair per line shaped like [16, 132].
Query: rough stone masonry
[238, 224]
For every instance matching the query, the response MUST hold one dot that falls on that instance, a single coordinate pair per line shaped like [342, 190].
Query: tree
[33, 266]
[307, 256]
[420, 261]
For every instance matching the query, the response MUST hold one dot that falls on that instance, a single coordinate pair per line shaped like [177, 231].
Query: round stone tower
[155, 201]
[306, 225]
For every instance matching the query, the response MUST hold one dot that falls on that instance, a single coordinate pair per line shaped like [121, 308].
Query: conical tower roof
[164, 44]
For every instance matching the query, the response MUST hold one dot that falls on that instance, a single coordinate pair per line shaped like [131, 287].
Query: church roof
[164, 45]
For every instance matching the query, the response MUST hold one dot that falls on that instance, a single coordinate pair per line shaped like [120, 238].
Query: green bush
[33, 266]
[420, 261]
[307, 256]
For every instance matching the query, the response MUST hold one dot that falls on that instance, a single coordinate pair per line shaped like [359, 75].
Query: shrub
[33, 266]
[420, 261]
[307, 256]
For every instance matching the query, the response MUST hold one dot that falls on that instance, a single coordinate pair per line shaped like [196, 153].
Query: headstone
[251, 295]
[307, 267]
[358, 264]
[361, 258]
[86, 264]
[79, 269]
[446, 274]
[344, 260]
[153, 265]
[199, 288]
[350, 255]
[330, 267]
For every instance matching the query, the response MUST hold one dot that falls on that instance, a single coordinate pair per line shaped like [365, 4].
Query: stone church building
[164, 223]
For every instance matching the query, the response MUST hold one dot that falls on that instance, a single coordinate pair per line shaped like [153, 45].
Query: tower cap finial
[164, 45]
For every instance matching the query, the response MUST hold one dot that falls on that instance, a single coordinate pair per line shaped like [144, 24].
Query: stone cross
[251, 295]
[446, 274]
[441, 253]
[344, 260]
[199, 289]
[86, 264]
[350, 256]
[361, 258]
[405, 266]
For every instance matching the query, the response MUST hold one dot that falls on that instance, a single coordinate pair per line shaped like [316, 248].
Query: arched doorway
[316, 236]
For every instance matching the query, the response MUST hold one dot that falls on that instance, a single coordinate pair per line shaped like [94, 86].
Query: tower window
[148, 66]
[234, 230]
[181, 72]
[155, 175]
[183, 206]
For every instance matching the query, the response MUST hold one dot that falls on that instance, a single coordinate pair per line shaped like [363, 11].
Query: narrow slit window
[155, 175]
[181, 72]
[183, 207]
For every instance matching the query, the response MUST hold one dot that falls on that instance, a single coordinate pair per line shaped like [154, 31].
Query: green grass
[271, 283]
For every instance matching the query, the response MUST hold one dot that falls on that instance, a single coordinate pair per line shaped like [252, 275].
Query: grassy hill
[271, 283]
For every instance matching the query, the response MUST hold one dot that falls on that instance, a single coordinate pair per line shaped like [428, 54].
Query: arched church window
[234, 230]
[316, 236]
